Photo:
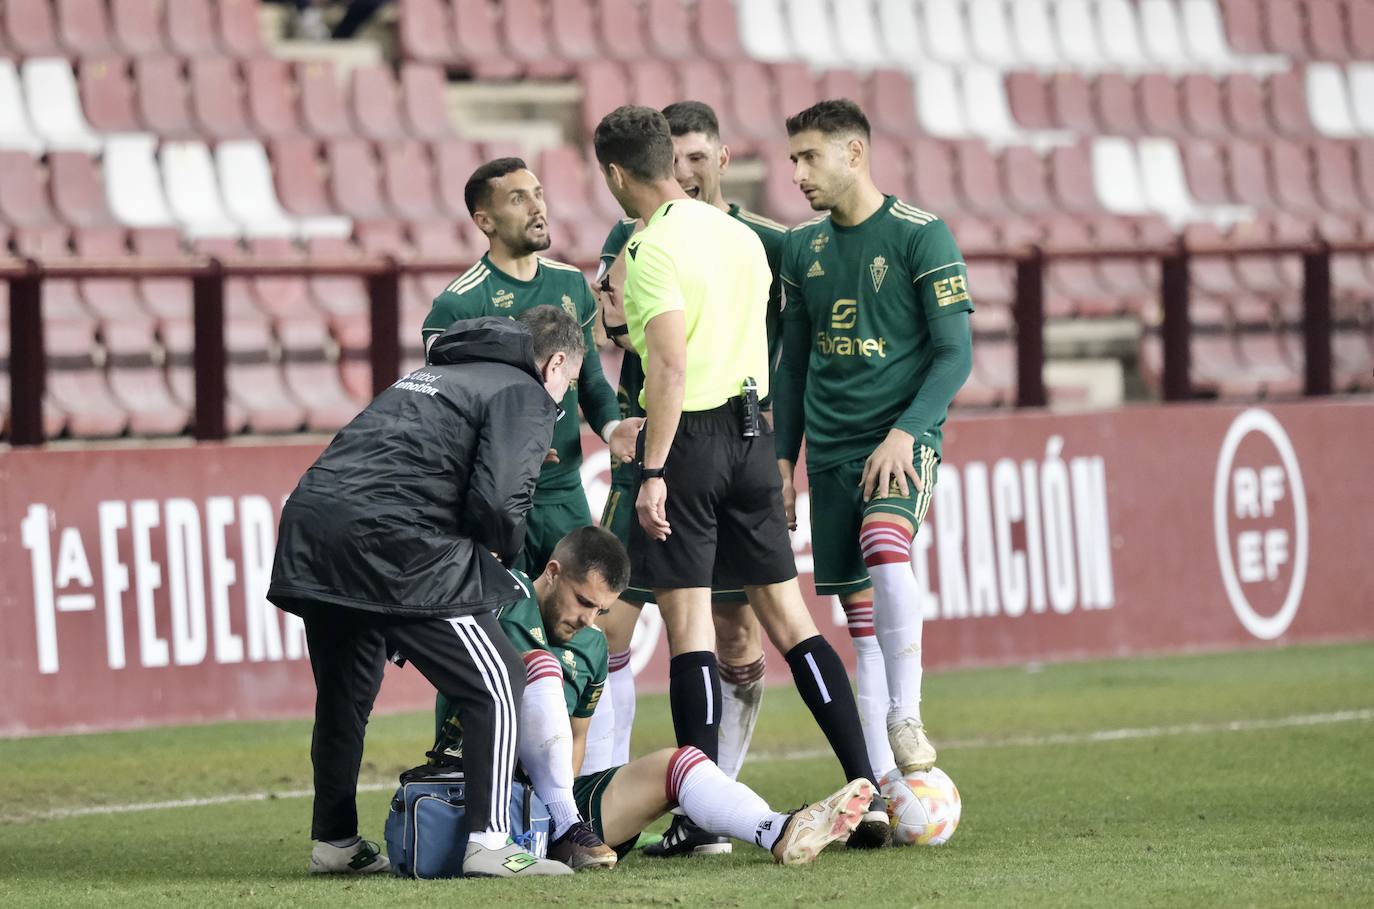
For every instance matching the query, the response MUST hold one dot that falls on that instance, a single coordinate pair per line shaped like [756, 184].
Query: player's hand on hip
[890, 463]
[551, 457]
[652, 508]
[623, 439]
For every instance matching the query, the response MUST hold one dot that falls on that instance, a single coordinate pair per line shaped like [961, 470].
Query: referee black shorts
[724, 507]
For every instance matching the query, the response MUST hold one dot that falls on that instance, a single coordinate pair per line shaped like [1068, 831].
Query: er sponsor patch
[949, 291]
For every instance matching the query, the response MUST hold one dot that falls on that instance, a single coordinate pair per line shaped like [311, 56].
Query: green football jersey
[866, 296]
[770, 233]
[484, 290]
[584, 661]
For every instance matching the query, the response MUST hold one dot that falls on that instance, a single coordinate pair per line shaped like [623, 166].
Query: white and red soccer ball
[924, 808]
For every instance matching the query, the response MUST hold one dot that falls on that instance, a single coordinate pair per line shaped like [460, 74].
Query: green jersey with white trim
[866, 297]
[485, 290]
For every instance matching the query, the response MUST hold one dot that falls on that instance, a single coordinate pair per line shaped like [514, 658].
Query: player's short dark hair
[692, 117]
[477, 191]
[637, 139]
[836, 116]
[591, 549]
[553, 330]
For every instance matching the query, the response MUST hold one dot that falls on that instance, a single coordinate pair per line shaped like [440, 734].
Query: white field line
[1023, 741]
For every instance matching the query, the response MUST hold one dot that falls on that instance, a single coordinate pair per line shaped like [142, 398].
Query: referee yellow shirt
[695, 258]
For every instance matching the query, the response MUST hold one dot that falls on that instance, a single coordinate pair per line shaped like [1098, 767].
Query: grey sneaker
[508, 861]
[910, 746]
[360, 858]
[809, 830]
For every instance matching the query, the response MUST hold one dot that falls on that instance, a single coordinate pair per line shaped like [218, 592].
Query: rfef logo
[1259, 511]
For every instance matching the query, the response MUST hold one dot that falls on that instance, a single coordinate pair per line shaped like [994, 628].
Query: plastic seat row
[544, 39]
[85, 28]
[1301, 29]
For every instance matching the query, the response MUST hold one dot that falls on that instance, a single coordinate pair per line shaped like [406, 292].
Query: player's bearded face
[519, 216]
[698, 162]
[573, 603]
[822, 169]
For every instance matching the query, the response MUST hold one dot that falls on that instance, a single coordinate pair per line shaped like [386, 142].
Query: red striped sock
[859, 617]
[540, 664]
[884, 543]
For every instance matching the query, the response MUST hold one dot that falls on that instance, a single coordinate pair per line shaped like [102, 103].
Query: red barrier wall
[134, 578]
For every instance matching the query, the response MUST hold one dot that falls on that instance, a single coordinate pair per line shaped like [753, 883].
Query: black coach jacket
[402, 512]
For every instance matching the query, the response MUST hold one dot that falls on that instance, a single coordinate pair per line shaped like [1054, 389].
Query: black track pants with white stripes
[467, 659]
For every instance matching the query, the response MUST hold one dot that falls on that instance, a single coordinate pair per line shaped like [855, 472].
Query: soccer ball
[924, 808]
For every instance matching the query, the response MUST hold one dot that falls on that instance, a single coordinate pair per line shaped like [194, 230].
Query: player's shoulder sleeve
[651, 285]
[459, 300]
[794, 246]
[936, 265]
[616, 239]
[595, 654]
[769, 232]
[521, 620]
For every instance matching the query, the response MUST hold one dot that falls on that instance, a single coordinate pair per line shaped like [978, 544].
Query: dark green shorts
[587, 792]
[616, 517]
[549, 522]
[837, 513]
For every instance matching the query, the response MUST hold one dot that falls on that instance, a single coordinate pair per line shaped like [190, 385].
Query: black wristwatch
[653, 473]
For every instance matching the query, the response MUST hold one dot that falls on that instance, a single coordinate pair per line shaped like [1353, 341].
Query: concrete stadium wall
[134, 578]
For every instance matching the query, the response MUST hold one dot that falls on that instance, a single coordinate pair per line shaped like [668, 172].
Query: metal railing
[28, 367]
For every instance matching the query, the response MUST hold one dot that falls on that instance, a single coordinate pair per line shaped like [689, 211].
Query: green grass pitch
[1242, 779]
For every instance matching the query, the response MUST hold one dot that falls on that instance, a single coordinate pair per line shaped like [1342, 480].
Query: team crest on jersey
[815, 271]
[571, 662]
[878, 269]
[504, 299]
[538, 635]
[569, 306]
[818, 243]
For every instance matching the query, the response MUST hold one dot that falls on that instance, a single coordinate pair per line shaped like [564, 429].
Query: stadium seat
[1291, 169]
[1283, 31]
[29, 28]
[424, 31]
[1243, 103]
[858, 37]
[891, 103]
[255, 382]
[1364, 161]
[795, 87]
[572, 31]
[989, 113]
[1163, 182]
[245, 180]
[781, 196]
[133, 183]
[979, 181]
[375, 103]
[1117, 176]
[23, 193]
[477, 40]
[812, 34]
[1326, 30]
[454, 162]
[1034, 30]
[889, 162]
[764, 31]
[408, 177]
[313, 378]
[269, 93]
[54, 105]
[42, 241]
[1162, 33]
[1287, 104]
[1360, 22]
[77, 192]
[1132, 284]
[1327, 101]
[299, 175]
[991, 42]
[83, 27]
[525, 33]
[1076, 34]
[354, 179]
[240, 28]
[1361, 79]
[190, 28]
[620, 29]
[423, 102]
[188, 175]
[15, 130]
[1213, 276]
[702, 80]
[1071, 104]
[1243, 25]
[939, 103]
[944, 22]
[1071, 178]
[1029, 100]
[1073, 286]
[217, 99]
[1249, 177]
[282, 298]
[755, 113]
[668, 30]
[107, 95]
[1204, 167]
[1119, 32]
[1334, 176]
[138, 383]
[163, 102]
[1116, 109]
[1271, 366]
[1258, 274]
[842, 83]
[138, 26]
[653, 83]
[77, 387]
[1353, 360]
[1161, 110]
[934, 179]
[605, 86]
[322, 109]
[1023, 175]
[716, 27]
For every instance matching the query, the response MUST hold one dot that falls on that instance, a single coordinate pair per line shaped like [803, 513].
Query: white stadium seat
[1119, 30]
[939, 109]
[946, 31]
[1328, 102]
[992, 38]
[132, 182]
[245, 180]
[1035, 32]
[1162, 33]
[55, 107]
[1206, 34]
[901, 32]
[15, 130]
[1362, 96]
[1075, 25]
[1116, 176]
[192, 190]
[813, 32]
[985, 101]
[1165, 187]
[857, 34]
[763, 29]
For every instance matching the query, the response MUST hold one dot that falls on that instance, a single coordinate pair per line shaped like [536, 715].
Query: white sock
[741, 697]
[896, 615]
[717, 803]
[622, 685]
[546, 741]
[871, 677]
[598, 755]
[489, 839]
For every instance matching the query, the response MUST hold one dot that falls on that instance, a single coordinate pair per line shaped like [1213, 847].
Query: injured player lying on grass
[566, 666]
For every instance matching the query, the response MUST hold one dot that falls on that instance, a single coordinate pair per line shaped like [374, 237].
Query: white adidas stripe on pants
[504, 732]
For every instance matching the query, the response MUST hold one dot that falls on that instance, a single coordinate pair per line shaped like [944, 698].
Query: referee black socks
[694, 693]
[824, 685]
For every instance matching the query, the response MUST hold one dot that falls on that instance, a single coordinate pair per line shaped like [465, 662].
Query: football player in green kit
[699, 160]
[506, 202]
[876, 344]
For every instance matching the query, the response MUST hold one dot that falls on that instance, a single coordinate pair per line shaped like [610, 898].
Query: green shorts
[587, 792]
[616, 517]
[837, 513]
[549, 522]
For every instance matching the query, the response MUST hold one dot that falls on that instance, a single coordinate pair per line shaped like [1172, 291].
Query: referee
[710, 504]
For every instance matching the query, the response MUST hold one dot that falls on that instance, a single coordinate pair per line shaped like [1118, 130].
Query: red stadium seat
[477, 39]
[191, 28]
[312, 378]
[1243, 101]
[84, 28]
[1364, 169]
[795, 88]
[653, 84]
[1353, 359]
[1117, 112]
[620, 29]
[1287, 97]
[23, 191]
[1204, 168]
[282, 297]
[138, 26]
[1334, 173]
[525, 30]
[138, 383]
[271, 108]
[299, 176]
[605, 86]
[1023, 174]
[240, 28]
[1326, 30]
[439, 240]
[29, 28]
[1075, 280]
[1271, 363]
[1071, 179]
[892, 101]
[1249, 177]
[163, 102]
[572, 30]
[321, 102]
[934, 179]
[424, 31]
[1242, 20]
[77, 388]
[782, 200]
[217, 101]
[1259, 274]
[454, 162]
[1283, 28]
[890, 163]
[409, 180]
[717, 30]
[424, 106]
[979, 181]
[42, 241]
[1133, 283]
[354, 179]
[107, 95]
[375, 103]
[1071, 103]
[1161, 110]
[1360, 17]
[78, 193]
[1294, 187]
[1028, 97]
[702, 80]
[755, 112]
[994, 371]
[842, 83]
[668, 29]
[1202, 106]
